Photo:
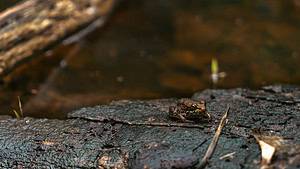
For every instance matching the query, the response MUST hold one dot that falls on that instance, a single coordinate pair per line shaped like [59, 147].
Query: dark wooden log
[129, 134]
[34, 25]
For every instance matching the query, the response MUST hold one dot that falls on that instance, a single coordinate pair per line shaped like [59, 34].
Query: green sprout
[215, 74]
[214, 66]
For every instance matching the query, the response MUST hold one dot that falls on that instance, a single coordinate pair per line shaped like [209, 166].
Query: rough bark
[125, 134]
[34, 25]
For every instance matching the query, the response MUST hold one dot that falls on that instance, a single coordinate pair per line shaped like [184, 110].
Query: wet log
[32, 26]
[140, 134]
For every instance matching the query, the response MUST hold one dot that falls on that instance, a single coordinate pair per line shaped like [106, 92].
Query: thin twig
[158, 124]
[168, 125]
[19, 114]
[211, 148]
[226, 156]
[154, 124]
[20, 106]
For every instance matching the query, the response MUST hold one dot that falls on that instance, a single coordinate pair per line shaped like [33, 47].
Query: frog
[189, 110]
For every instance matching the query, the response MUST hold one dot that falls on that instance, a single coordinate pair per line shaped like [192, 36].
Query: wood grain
[33, 25]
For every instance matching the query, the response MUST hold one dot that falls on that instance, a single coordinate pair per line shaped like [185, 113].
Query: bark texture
[127, 134]
[34, 25]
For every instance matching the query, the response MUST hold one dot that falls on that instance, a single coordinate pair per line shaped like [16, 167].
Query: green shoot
[214, 66]
[215, 74]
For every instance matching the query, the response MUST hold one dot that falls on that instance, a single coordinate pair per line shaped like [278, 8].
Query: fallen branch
[34, 25]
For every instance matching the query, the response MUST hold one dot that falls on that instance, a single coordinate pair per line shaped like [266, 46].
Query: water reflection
[155, 49]
[7, 3]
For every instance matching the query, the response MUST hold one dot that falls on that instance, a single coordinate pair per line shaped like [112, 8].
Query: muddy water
[157, 49]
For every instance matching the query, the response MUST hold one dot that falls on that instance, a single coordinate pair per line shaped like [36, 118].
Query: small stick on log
[165, 125]
[34, 25]
[211, 148]
[153, 124]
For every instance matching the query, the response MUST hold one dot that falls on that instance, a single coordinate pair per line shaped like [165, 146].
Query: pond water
[159, 49]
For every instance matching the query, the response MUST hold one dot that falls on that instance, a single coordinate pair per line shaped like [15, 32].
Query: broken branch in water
[211, 148]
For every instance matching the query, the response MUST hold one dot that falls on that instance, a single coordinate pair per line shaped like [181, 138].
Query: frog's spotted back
[188, 110]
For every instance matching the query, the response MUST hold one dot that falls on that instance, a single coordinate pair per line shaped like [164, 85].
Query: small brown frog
[188, 110]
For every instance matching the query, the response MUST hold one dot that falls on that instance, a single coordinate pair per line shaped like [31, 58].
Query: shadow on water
[158, 49]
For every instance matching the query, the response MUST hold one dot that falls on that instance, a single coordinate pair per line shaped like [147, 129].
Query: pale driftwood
[33, 25]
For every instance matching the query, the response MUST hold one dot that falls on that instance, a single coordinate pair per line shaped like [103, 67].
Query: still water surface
[159, 49]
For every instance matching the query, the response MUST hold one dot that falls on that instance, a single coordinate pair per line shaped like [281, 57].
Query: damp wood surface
[124, 133]
[32, 26]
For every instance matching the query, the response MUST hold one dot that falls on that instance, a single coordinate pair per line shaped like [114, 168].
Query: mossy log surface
[34, 25]
[125, 134]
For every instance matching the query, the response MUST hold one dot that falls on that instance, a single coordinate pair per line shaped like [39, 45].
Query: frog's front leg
[183, 119]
